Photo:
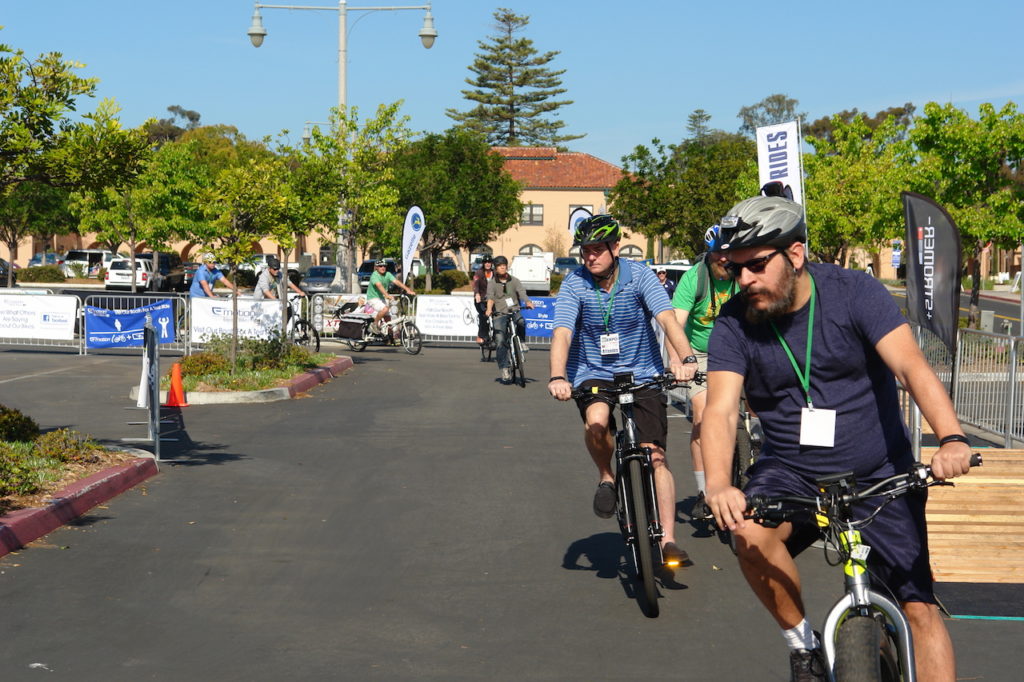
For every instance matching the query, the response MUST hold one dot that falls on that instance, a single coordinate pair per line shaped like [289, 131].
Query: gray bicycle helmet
[380, 262]
[763, 221]
[598, 229]
[500, 260]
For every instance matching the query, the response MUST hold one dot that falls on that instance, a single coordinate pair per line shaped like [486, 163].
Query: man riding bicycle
[602, 328]
[504, 293]
[697, 301]
[818, 350]
[377, 295]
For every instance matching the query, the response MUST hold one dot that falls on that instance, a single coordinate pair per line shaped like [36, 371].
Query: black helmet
[273, 263]
[763, 221]
[500, 260]
[486, 259]
[379, 262]
[597, 229]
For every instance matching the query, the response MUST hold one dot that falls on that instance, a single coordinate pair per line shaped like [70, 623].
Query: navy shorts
[649, 411]
[898, 536]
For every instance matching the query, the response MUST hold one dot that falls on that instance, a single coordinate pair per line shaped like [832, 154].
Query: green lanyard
[803, 376]
[607, 311]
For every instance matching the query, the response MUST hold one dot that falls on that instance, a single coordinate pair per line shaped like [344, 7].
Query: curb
[298, 384]
[21, 527]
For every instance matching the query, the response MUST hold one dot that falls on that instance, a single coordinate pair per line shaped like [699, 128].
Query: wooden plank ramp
[975, 528]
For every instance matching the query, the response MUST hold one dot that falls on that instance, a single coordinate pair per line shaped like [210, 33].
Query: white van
[534, 272]
[89, 261]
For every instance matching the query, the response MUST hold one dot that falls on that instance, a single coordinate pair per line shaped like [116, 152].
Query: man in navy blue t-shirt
[818, 351]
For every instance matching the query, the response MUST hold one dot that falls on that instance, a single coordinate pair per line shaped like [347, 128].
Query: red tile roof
[548, 168]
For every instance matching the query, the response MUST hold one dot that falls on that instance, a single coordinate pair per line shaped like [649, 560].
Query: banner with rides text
[577, 216]
[415, 224]
[779, 158]
[933, 257]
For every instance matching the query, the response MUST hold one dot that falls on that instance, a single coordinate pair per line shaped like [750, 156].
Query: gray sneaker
[604, 500]
[807, 666]
[506, 374]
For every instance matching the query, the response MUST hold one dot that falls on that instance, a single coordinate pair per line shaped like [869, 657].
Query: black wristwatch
[689, 359]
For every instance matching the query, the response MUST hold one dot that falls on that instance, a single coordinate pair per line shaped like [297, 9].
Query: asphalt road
[410, 520]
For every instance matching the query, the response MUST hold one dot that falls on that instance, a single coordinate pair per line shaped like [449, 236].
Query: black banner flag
[933, 267]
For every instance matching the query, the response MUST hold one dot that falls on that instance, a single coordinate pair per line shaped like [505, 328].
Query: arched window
[632, 252]
[530, 250]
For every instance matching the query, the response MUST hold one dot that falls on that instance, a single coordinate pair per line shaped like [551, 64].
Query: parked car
[4, 266]
[674, 270]
[366, 269]
[48, 258]
[119, 275]
[566, 264]
[446, 263]
[89, 261]
[171, 275]
[190, 272]
[319, 279]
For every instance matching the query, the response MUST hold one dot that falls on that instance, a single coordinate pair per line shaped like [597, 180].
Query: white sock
[801, 637]
[701, 485]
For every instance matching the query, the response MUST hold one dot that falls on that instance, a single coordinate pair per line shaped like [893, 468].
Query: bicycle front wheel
[642, 537]
[519, 361]
[412, 340]
[864, 652]
[304, 334]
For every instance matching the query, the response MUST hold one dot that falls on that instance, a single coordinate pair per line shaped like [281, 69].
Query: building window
[587, 207]
[632, 252]
[533, 214]
[530, 250]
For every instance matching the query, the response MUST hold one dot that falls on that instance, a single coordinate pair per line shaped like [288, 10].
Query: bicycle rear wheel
[304, 334]
[643, 539]
[412, 341]
[864, 652]
[518, 362]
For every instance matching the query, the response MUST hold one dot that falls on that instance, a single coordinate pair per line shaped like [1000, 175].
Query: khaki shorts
[694, 388]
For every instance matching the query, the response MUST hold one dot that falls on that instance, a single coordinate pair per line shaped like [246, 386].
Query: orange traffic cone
[176, 396]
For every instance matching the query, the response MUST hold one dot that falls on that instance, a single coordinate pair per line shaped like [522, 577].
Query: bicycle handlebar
[776, 509]
[664, 382]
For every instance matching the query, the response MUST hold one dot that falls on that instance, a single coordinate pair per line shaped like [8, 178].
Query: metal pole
[1012, 391]
[915, 415]
[343, 237]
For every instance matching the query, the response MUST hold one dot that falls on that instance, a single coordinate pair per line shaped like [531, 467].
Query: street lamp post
[427, 36]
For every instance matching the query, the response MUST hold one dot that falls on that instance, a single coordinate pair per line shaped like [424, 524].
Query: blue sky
[635, 70]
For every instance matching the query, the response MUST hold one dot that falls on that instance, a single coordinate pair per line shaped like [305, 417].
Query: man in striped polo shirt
[602, 328]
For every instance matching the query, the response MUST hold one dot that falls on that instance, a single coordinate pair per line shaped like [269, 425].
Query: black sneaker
[604, 499]
[701, 510]
[675, 556]
[807, 666]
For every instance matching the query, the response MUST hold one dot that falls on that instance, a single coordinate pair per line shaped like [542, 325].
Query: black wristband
[557, 379]
[954, 438]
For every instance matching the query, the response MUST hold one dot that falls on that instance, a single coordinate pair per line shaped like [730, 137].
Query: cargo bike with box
[355, 327]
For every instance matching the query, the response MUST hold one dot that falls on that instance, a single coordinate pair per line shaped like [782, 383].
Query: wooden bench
[976, 529]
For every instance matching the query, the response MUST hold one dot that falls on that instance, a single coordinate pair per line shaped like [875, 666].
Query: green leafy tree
[32, 208]
[466, 195]
[514, 88]
[678, 191]
[822, 128]
[168, 129]
[777, 108]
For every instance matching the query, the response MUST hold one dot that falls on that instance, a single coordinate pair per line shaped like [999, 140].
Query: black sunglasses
[755, 265]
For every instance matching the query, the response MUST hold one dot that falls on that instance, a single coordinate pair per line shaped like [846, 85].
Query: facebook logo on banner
[540, 320]
[123, 328]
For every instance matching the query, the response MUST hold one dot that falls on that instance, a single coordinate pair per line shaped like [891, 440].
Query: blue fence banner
[124, 328]
[540, 320]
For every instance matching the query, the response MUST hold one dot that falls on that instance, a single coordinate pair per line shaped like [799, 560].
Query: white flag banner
[577, 216]
[415, 223]
[779, 158]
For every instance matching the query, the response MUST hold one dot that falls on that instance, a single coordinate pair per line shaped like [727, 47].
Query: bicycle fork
[625, 454]
[861, 598]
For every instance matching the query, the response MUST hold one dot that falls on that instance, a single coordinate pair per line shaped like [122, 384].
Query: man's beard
[777, 307]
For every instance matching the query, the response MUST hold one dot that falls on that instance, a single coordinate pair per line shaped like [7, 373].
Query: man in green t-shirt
[697, 301]
[377, 294]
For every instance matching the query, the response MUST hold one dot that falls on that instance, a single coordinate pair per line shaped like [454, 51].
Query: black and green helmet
[596, 230]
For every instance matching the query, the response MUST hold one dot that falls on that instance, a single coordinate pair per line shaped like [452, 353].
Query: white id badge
[510, 302]
[818, 427]
[609, 344]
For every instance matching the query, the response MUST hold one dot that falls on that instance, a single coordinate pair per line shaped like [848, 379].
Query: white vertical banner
[577, 216]
[415, 223]
[779, 158]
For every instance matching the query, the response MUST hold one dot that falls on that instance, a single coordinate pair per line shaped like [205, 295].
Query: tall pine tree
[513, 89]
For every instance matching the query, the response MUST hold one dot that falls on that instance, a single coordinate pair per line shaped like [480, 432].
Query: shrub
[556, 282]
[207, 362]
[79, 271]
[44, 273]
[17, 476]
[15, 426]
[450, 279]
[65, 445]
[244, 278]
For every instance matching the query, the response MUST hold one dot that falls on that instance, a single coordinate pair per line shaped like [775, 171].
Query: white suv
[119, 275]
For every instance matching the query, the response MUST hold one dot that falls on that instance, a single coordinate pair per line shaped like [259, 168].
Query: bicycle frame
[627, 447]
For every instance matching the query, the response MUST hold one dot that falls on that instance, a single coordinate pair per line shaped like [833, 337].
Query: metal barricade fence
[989, 390]
[77, 338]
[182, 315]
